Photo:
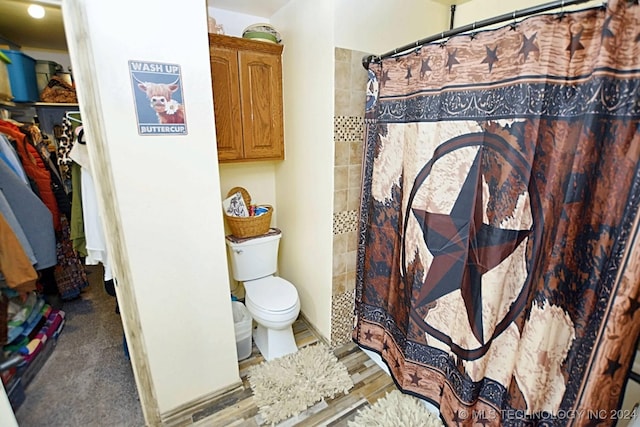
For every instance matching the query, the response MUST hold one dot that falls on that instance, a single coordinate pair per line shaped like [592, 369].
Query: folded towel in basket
[235, 205]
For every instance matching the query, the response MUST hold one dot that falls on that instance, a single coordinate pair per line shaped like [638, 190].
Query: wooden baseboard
[183, 415]
[315, 331]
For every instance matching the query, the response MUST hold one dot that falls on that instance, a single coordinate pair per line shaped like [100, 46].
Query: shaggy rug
[396, 409]
[288, 385]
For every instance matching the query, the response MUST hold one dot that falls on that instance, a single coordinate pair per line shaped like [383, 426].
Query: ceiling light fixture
[36, 11]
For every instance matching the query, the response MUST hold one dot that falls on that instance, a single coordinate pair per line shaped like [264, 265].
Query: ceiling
[17, 27]
[262, 8]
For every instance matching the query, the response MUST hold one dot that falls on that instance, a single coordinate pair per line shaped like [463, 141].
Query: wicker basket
[248, 226]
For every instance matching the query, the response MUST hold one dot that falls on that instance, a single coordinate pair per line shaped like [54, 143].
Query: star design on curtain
[634, 305]
[384, 78]
[528, 45]
[491, 58]
[612, 367]
[606, 32]
[415, 378]
[481, 419]
[457, 418]
[425, 67]
[452, 60]
[464, 248]
[575, 44]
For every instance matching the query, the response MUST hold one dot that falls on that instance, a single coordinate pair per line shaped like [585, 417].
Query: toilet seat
[271, 294]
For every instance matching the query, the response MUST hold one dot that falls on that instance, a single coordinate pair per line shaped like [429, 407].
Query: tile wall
[348, 137]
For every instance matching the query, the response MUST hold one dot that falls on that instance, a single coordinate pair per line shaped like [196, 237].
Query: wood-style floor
[238, 409]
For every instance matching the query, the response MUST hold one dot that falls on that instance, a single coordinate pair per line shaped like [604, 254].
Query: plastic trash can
[242, 323]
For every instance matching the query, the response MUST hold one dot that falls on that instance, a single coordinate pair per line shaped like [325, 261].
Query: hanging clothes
[14, 224]
[77, 235]
[71, 172]
[93, 227]
[35, 168]
[70, 122]
[15, 264]
[10, 157]
[69, 273]
[66, 276]
[32, 215]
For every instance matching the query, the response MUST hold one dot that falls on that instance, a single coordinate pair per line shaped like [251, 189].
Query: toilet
[271, 300]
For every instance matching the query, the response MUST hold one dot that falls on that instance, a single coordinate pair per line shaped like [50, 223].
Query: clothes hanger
[74, 116]
[80, 135]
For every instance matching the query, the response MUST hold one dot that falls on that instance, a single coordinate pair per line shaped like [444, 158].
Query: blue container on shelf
[22, 76]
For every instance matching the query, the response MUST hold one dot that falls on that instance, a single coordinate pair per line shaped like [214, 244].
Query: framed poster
[158, 96]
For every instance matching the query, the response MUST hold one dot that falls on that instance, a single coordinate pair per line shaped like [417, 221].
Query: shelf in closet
[12, 104]
[48, 113]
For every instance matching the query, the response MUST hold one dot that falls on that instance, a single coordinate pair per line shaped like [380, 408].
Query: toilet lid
[271, 293]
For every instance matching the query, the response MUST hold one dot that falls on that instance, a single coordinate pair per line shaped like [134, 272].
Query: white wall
[378, 26]
[234, 23]
[305, 179]
[477, 10]
[7, 418]
[159, 198]
[258, 178]
[311, 31]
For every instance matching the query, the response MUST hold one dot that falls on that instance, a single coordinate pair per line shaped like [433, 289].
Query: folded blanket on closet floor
[52, 328]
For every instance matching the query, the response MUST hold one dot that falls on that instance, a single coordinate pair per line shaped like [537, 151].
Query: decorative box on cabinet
[247, 97]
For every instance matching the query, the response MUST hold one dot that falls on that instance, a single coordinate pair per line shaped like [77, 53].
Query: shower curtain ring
[473, 31]
[561, 14]
[442, 40]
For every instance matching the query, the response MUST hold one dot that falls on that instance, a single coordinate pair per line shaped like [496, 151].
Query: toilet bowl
[272, 301]
[274, 305]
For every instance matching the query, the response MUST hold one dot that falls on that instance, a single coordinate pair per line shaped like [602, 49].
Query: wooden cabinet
[247, 98]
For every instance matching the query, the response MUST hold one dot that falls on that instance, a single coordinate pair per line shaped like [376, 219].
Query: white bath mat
[288, 385]
[396, 409]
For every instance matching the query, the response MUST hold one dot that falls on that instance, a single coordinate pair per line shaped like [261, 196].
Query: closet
[48, 234]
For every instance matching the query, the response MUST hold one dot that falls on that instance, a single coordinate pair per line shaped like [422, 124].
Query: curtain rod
[472, 27]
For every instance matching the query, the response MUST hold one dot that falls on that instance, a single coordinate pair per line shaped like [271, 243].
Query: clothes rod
[472, 27]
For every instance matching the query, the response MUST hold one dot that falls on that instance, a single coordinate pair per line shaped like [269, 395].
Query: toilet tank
[255, 257]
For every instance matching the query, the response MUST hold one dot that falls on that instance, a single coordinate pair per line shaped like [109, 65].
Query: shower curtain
[498, 261]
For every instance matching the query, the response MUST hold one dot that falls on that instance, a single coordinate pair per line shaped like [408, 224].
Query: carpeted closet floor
[87, 380]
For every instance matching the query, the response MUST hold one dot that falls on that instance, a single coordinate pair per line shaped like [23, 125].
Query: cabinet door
[261, 92]
[226, 102]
